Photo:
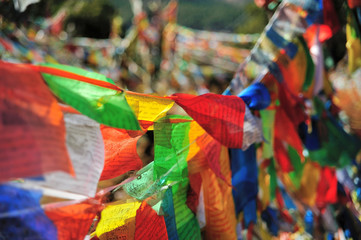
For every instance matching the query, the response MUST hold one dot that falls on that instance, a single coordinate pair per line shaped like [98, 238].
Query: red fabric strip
[65, 74]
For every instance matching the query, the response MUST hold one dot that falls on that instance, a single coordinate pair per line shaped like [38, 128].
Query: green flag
[171, 147]
[106, 105]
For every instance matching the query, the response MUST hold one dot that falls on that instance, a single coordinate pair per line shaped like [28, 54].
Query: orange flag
[120, 152]
[218, 201]
[73, 221]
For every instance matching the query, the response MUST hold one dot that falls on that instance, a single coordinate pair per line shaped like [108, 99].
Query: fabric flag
[264, 185]
[285, 132]
[317, 56]
[218, 202]
[308, 188]
[171, 147]
[196, 158]
[310, 137]
[281, 156]
[21, 5]
[298, 72]
[144, 186]
[90, 93]
[148, 108]
[169, 215]
[118, 221]
[86, 150]
[269, 215]
[298, 167]
[204, 150]
[32, 127]
[120, 152]
[73, 221]
[186, 222]
[244, 178]
[256, 96]
[327, 188]
[148, 225]
[338, 148]
[310, 66]
[221, 116]
[289, 47]
[268, 119]
[21, 216]
[353, 43]
[354, 3]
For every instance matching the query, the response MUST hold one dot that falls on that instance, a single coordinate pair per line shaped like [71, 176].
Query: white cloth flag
[85, 146]
[21, 5]
[252, 130]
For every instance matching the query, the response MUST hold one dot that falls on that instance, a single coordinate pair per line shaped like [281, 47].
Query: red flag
[281, 155]
[32, 139]
[327, 187]
[73, 221]
[148, 225]
[354, 3]
[285, 130]
[220, 116]
[120, 152]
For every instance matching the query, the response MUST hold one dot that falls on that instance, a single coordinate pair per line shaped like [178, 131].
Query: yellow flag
[148, 107]
[115, 216]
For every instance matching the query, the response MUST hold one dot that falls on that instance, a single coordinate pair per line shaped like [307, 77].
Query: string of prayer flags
[90, 93]
[31, 120]
[291, 141]
[120, 148]
[220, 116]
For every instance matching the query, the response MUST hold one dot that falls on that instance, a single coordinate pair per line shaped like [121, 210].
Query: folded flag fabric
[85, 146]
[31, 119]
[221, 116]
[23, 217]
[120, 148]
[90, 93]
